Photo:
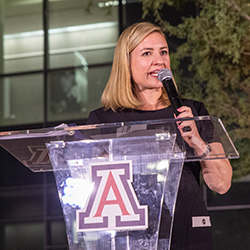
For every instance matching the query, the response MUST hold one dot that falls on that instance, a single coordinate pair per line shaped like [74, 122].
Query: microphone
[165, 76]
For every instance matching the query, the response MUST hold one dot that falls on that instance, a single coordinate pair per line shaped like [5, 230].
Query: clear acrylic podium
[114, 179]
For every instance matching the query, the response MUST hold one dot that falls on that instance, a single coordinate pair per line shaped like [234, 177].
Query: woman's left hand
[189, 132]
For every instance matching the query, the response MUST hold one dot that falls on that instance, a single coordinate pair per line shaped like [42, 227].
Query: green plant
[212, 64]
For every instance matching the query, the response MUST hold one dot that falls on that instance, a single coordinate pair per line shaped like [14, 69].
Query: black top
[189, 200]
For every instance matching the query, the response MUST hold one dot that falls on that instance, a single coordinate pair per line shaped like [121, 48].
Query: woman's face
[147, 59]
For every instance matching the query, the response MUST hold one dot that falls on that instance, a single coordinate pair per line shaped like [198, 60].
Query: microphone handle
[173, 96]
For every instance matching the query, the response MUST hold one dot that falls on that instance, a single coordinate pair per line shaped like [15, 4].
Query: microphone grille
[164, 74]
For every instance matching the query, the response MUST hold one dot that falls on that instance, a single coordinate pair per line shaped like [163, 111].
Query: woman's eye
[164, 52]
[146, 53]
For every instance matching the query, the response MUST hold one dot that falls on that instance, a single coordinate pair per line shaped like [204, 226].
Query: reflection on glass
[74, 92]
[68, 91]
[72, 28]
[22, 52]
[22, 100]
[96, 42]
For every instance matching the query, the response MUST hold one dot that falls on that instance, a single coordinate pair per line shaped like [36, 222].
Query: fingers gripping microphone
[165, 76]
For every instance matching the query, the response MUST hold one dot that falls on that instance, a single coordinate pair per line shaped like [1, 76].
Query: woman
[134, 93]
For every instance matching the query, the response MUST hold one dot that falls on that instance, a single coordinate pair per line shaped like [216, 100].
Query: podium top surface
[29, 146]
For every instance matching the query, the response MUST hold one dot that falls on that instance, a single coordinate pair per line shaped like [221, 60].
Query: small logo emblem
[38, 156]
[201, 221]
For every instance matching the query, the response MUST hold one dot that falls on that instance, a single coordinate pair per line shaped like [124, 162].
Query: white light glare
[160, 165]
[76, 192]
[110, 3]
[62, 30]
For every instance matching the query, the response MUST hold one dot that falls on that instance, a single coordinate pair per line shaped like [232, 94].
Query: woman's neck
[148, 106]
[151, 104]
[150, 101]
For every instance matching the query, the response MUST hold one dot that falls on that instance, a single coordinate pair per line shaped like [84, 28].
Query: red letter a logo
[113, 204]
[111, 184]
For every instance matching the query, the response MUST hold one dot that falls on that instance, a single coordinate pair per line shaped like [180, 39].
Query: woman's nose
[157, 59]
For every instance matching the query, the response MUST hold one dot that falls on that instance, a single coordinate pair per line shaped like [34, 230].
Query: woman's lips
[154, 73]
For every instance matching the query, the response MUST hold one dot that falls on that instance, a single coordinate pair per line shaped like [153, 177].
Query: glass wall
[81, 40]
[22, 32]
[22, 99]
[54, 66]
[73, 93]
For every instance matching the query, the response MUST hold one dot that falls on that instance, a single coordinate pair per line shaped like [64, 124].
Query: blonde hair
[119, 91]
